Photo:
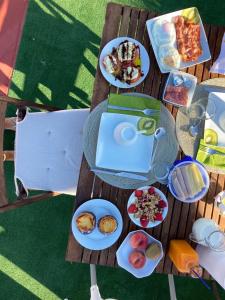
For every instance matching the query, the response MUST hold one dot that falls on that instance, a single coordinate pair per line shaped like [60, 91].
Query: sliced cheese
[190, 181]
[187, 179]
[197, 176]
[176, 186]
[182, 182]
[195, 186]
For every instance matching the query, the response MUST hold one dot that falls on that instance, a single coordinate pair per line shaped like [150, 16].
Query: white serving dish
[205, 177]
[191, 90]
[97, 240]
[204, 43]
[145, 62]
[150, 224]
[125, 249]
[135, 157]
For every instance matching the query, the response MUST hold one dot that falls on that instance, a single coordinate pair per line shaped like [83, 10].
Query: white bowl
[137, 220]
[125, 249]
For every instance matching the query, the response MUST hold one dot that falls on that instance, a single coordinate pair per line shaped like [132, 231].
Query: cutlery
[159, 133]
[121, 174]
[210, 151]
[215, 89]
[146, 111]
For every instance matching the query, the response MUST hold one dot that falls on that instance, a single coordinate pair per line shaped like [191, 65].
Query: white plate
[96, 240]
[145, 62]
[203, 39]
[137, 220]
[111, 155]
[217, 122]
[125, 249]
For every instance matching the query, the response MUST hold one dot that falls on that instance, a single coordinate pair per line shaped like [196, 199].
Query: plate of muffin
[124, 62]
[97, 224]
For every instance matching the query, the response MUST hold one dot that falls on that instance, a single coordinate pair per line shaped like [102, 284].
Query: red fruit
[158, 216]
[139, 241]
[144, 221]
[137, 259]
[151, 190]
[132, 209]
[162, 204]
[138, 193]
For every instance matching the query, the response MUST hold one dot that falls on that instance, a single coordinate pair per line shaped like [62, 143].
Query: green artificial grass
[56, 65]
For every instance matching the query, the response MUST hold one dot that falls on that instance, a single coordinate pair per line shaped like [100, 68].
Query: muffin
[153, 251]
[107, 224]
[86, 222]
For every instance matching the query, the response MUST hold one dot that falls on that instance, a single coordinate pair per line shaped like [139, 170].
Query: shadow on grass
[52, 51]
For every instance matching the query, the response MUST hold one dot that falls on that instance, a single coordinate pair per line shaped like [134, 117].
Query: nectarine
[137, 259]
[139, 241]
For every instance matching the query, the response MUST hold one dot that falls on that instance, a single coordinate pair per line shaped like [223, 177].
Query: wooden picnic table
[128, 21]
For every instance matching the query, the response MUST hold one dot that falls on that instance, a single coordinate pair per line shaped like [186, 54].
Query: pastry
[107, 224]
[153, 251]
[85, 222]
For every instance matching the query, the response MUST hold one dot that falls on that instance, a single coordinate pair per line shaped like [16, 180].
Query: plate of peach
[147, 207]
[139, 253]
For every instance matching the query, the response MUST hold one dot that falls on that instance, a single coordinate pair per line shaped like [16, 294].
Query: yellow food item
[107, 224]
[191, 14]
[197, 175]
[137, 61]
[210, 137]
[85, 222]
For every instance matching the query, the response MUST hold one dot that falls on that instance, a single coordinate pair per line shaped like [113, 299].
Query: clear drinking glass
[202, 109]
[161, 171]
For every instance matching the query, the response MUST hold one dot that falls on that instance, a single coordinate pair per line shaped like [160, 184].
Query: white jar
[207, 233]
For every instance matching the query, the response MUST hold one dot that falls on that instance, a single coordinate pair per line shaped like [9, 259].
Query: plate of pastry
[178, 39]
[97, 224]
[124, 62]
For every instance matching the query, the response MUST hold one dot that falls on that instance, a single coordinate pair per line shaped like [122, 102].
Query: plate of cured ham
[178, 39]
[124, 62]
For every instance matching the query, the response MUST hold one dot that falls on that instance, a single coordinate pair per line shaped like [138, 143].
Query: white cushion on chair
[48, 150]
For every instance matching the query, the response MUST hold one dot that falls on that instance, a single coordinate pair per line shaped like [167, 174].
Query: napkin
[216, 161]
[219, 64]
[134, 102]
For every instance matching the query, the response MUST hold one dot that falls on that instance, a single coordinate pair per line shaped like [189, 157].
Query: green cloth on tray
[216, 161]
[134, 102]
